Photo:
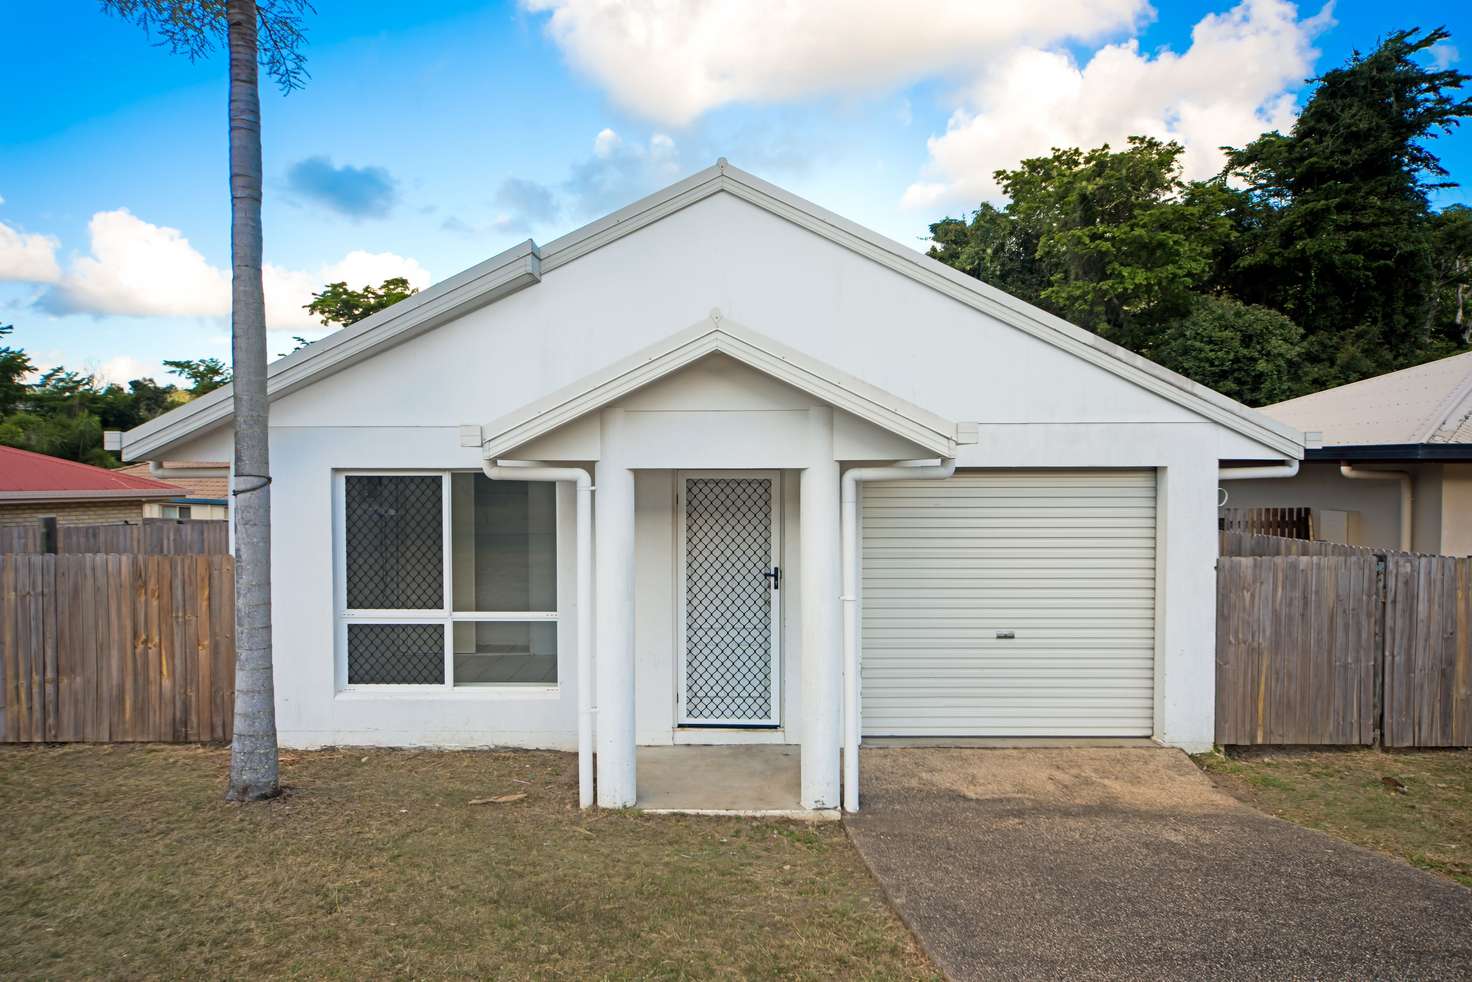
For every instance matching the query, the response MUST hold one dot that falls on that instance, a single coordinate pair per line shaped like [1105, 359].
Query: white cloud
[1444, 55]
[673, 60]
[1237, 79]
[139, 269]
[125, 368]
[606, 144]
[27, 257]
[620, 171]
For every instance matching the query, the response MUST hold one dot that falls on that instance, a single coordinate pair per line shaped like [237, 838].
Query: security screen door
[728, 623]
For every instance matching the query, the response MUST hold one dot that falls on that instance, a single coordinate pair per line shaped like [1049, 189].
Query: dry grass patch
[124, 861]
[1414, 805]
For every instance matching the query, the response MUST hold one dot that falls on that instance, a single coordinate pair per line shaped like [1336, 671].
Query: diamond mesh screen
[728, 601]
[396, 654]
[394, 542]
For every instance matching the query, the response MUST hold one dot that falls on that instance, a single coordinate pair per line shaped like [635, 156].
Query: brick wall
[71, 512]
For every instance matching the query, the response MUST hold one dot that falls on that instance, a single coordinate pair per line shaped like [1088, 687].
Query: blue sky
[433, 135]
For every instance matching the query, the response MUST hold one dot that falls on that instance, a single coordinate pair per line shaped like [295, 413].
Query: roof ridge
[523, 265]
[1457, 401]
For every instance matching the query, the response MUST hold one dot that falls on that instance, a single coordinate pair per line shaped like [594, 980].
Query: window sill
[492, 693]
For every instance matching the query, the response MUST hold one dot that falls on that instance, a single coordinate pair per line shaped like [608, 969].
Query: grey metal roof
[1427, 404]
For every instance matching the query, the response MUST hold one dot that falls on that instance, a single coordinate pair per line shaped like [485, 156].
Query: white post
[614, 563]
[820, 617]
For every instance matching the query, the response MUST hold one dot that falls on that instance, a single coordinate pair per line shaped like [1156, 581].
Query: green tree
[1249, 353]
[1451, 261]
[269, 32]
[202, 374]
[1114, 241]
[337, 304]
[1341, 238]
[15, 365]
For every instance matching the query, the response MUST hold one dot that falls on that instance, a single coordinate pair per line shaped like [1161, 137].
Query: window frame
[445, 615]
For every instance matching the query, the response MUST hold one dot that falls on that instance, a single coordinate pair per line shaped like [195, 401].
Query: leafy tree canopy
[1314, 259]
[338, 304]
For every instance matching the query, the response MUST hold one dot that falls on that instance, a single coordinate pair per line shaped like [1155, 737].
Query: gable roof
[716, 335]
[524, 265]
[1427, 404]
[27, 476]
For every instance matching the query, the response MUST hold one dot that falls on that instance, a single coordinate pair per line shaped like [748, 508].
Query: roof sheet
[22, 471]
[1430, 403]
[217, 488]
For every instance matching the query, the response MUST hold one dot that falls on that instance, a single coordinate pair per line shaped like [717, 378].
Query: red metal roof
[27, 474]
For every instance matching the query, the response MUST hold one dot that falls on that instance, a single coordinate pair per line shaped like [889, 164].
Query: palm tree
[269, 33]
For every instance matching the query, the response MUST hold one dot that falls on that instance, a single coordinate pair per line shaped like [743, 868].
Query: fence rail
[116, 648]
[1319, 643]
[154, 537]
[1290, 523]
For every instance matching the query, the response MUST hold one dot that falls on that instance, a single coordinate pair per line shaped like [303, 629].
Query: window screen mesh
[394, 542]
[396, 654]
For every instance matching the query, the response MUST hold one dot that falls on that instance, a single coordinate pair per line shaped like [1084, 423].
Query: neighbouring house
[206, 489]
[1394, 470]
[35, 487]
[723, 467]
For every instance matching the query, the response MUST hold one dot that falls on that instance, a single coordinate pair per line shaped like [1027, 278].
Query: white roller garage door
[1010, 603]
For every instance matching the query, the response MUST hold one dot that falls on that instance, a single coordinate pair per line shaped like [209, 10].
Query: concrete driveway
[1127, 863]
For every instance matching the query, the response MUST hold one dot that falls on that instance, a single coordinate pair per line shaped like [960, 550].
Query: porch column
[614, 567]
[821, 617]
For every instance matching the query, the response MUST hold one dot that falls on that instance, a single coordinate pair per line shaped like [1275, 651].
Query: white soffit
[523, 265]
[716, 335]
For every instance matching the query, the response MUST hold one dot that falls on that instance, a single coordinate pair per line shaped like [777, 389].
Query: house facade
[724, 467]
[1392, 464]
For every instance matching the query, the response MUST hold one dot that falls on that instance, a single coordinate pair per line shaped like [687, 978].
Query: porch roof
[718, 335]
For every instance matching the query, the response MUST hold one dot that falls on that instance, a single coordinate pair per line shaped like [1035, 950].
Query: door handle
[775, 575]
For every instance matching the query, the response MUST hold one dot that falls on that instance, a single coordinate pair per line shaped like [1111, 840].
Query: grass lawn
[125, 861]
[1414, 805]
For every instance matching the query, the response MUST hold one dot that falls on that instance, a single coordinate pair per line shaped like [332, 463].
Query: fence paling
[1292, 523]
[1325, 643]
[154, 537]
[116, 647]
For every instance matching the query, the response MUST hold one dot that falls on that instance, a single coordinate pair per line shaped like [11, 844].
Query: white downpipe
[920, 470]
[1407, 495]
[532, 471]
[1285, 469]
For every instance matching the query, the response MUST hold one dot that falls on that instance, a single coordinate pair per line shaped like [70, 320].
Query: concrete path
[1127, 863]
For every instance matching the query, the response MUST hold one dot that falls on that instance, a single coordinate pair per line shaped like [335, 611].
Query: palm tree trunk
[253, 759]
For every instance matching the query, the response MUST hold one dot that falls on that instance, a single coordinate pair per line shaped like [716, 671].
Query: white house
[716, 386]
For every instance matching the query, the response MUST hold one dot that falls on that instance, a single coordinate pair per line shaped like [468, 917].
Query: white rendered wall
[1037, 406]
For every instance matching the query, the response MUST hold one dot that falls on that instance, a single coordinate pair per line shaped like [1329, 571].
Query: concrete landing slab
[744, 779]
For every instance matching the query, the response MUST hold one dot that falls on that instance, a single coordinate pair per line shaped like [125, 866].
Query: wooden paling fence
[1319, 643]
[116, 648]
[155, 537]
[1290, 523]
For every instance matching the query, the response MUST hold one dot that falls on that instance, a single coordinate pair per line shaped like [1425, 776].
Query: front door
[729, 586]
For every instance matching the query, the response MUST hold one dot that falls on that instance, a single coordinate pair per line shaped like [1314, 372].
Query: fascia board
[485, 283]
[762, 354]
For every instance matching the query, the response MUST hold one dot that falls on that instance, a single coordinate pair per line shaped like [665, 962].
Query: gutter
[1407, 494]
[912, 470]
[498, 470]
[1289, 468]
